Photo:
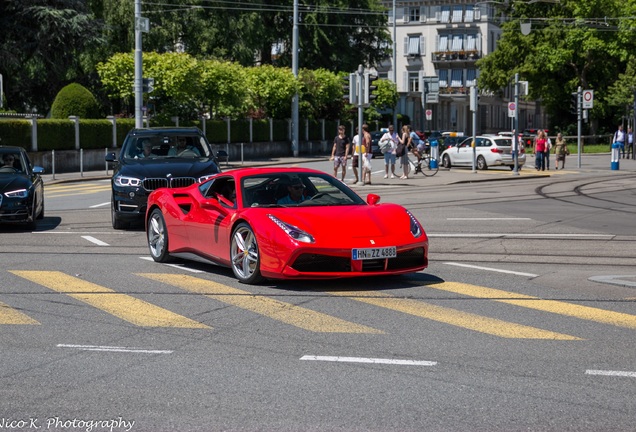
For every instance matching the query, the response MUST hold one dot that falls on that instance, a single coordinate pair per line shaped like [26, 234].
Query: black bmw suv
[152, 158]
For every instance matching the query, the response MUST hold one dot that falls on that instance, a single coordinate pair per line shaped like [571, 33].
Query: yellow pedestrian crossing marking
[61, 190]
[554, 306]
[123, 306]
[275, 309]
[8, 315]
[453, 317]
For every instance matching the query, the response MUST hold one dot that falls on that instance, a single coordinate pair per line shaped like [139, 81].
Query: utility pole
[361, 89]
[139, 95]
[515, 138]
[295, 132]
[395, 68]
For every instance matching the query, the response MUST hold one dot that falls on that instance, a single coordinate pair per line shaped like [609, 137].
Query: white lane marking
[113, 349]
[489, 219]
[611, 373]
[94, 240]
[492, 269]
[179, 266]
[522, 235]
[369, 360]
[100, 205]
[126, 233]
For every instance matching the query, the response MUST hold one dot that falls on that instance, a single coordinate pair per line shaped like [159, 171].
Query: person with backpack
[390, 140]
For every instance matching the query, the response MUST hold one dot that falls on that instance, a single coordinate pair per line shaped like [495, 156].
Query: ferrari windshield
[163, 146]
[291, 189]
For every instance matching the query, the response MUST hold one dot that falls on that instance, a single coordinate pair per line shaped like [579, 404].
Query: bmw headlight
[416, 228]
[123, 181]
[20, 193]
[292, 231]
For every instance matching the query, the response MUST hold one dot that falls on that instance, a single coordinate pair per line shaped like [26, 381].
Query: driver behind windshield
[295, 190]
[183, 146]
[7, 160]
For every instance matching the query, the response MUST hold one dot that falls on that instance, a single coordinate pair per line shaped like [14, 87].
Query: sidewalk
[590, 163]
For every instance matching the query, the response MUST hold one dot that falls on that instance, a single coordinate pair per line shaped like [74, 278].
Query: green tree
[568, 47]
[270, 91]
[75, 99]
[43, 47]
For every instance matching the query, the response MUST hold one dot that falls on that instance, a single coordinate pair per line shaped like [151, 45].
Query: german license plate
[373, 253]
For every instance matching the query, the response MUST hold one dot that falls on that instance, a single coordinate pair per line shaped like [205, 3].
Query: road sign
[429, 114]
[512, 107]
[588, 99]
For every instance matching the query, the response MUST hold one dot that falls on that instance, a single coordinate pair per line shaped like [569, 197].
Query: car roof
[11, 149]
[166, 130]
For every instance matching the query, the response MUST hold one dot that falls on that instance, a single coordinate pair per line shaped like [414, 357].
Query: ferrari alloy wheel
[158, 237]
[244, 255]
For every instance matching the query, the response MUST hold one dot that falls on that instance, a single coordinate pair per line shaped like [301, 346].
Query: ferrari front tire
[244, 255]
[158, 237]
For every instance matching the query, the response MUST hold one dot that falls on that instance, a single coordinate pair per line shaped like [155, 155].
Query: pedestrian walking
[546, 153]
[358, 151]
[560, 150]
[389, 155]
[339, 152]
[619, 137]
[402, 151]
[540, 144]
[630, 142]
[367, 155]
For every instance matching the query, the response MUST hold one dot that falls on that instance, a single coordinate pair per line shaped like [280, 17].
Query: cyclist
[418, 146]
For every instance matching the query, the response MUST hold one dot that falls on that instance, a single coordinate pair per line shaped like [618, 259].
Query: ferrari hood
[14, 182]
[163, 167]
[334, 224]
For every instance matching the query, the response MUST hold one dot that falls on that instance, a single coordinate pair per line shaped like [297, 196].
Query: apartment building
[444, 39]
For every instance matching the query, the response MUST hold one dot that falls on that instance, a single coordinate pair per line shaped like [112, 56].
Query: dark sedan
[153, 158]
[21, 188]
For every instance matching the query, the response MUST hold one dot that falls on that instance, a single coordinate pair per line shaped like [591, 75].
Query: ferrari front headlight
[416, 228]
[292, 231]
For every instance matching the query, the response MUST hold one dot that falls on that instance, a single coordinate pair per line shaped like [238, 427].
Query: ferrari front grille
[151, 184]
[317, 263]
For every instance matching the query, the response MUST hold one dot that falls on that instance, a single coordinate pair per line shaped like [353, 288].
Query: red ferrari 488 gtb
[284, 223]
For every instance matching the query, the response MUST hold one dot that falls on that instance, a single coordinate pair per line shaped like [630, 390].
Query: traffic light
[349, 88]
[369, 88]
[574, 103]
[148, 85]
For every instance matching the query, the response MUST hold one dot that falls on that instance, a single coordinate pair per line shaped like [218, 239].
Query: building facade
[444, 39]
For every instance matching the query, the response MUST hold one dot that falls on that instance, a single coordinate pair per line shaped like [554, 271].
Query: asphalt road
[524, 320]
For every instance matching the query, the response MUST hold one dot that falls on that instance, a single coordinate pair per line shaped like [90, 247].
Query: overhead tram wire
[260, 7]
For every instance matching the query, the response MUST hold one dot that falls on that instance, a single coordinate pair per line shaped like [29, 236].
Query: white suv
[490, 150]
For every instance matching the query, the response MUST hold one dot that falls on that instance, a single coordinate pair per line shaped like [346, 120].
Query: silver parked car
[490, 150]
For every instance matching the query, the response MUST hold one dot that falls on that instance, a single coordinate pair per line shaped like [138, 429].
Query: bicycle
[424, 165]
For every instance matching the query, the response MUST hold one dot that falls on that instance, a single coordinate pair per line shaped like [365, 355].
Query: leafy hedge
[59, 134]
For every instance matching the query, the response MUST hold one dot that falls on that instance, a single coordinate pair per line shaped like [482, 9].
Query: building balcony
[454, 91]
[455, 56]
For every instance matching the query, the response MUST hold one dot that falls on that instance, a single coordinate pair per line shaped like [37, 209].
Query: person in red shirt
[540, 146]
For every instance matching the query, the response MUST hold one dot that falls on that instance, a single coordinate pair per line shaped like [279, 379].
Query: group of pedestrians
[359, 149]
[542, 148]
[625, 141]
[397, 149]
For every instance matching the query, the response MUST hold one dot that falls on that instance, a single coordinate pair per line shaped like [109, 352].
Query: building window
[457, 78]
[457, 14]
[414, 45]
[457, 43]
[414, 81]
[470, 15]
[444, 15]
[442, 43]
[414, 14]
[471, 77]
[443, 78]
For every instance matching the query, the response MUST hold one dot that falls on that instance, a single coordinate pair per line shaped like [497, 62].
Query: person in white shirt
[389, 155]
